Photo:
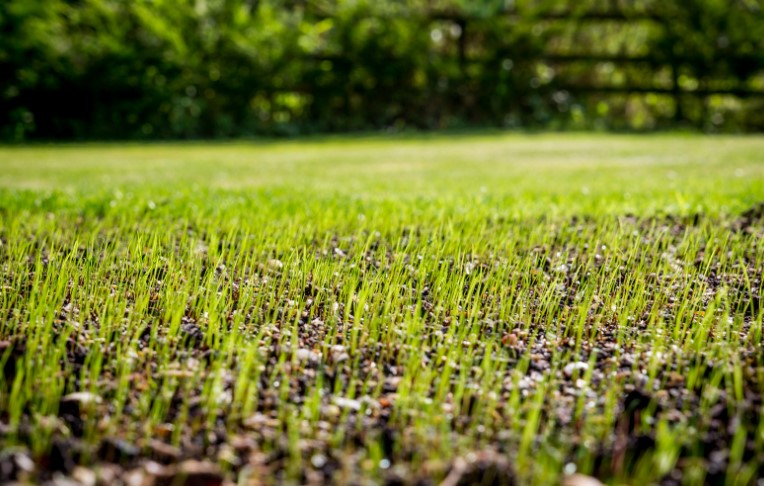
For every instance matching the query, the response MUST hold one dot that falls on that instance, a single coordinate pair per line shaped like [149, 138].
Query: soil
[216, 453]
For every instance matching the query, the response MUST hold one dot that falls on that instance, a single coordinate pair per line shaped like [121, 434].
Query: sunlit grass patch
[382, 310]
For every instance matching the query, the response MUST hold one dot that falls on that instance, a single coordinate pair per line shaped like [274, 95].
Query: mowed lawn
[495, 309]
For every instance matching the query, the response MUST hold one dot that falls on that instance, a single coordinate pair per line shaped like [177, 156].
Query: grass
[379, 310]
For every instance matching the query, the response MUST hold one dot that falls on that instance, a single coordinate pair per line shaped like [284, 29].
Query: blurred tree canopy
[143, 69]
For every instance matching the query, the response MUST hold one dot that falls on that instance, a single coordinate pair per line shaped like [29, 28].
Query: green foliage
[221, 68]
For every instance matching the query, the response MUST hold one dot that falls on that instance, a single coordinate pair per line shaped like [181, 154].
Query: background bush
[158, 69]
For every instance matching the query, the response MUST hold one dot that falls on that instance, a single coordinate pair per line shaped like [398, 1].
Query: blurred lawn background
[538, 174]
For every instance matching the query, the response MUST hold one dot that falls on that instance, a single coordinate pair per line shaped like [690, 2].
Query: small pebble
[318, 461]
[577, 366]
[347, 403]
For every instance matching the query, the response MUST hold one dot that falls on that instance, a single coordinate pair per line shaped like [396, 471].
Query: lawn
[504, 309]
